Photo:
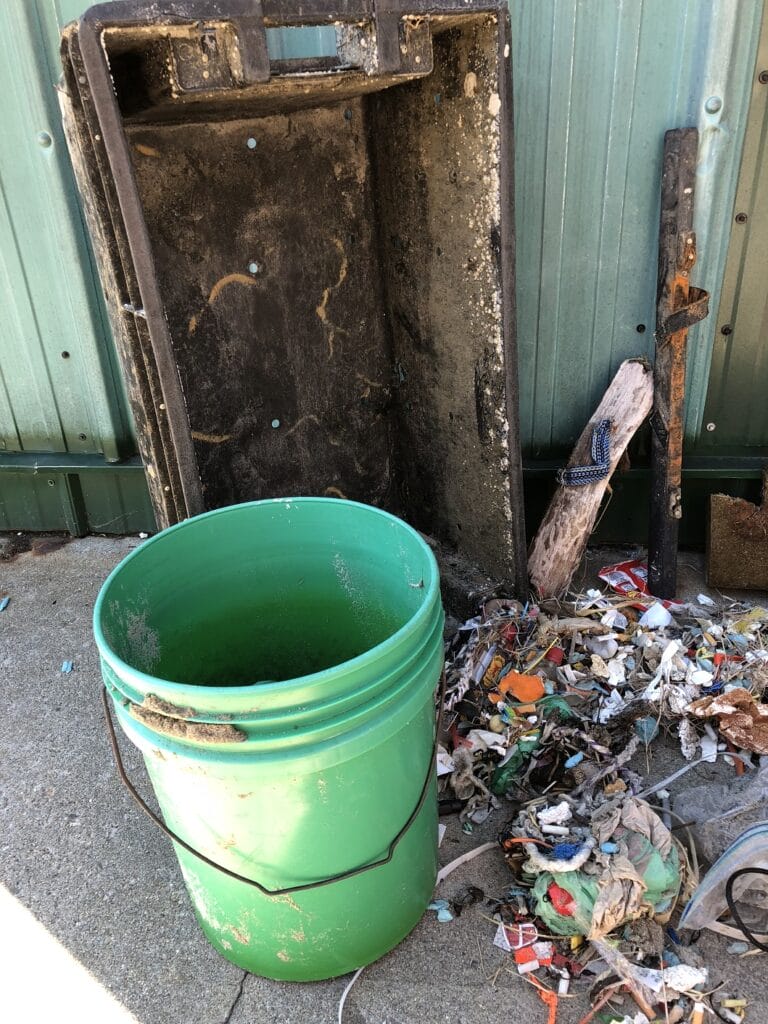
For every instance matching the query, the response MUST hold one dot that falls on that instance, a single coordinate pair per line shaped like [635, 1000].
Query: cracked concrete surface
[95, 924]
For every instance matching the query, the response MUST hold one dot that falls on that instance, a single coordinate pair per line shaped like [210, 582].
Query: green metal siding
[597, 83]
[49, 304]
[60, 389]
[736, 414]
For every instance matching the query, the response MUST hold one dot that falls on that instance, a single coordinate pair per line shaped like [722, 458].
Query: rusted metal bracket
[678, 307]
[684, 318]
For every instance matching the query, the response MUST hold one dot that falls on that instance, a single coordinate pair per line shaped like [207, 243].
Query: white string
[445, 871]
[345, 993]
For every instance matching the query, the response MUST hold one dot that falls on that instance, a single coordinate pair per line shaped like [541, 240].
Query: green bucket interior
[266, 591]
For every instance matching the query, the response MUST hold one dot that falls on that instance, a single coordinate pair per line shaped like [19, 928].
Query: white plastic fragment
[709, 744]
[470, 855]
[613, 704]
[657, 617]
[445, 763]
[701, 677]
[615, 620]
[704, 601]
[683, 977]
[558, 814]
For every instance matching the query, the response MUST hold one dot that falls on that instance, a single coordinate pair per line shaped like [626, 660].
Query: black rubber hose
[732, 905]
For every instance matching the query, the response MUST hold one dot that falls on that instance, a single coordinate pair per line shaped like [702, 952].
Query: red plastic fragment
[561, 900]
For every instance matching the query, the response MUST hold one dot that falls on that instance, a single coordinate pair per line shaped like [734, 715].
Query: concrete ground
[95, 924]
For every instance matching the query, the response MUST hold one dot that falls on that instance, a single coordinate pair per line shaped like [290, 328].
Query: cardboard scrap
[740, 718]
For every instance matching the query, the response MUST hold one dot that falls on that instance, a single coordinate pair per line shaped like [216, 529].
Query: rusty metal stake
[678, 306]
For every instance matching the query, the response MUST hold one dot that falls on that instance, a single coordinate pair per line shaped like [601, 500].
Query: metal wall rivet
[726, 329]
[51, 483]
[741, 218]
[251, 143]
[162, 405]
[44, 139]
[65, 355]
[640, 328]
[254, 267]
[167, 487]
[83, 437]
[710, 427]
[713, 104]
[763, 78]
[275, 424]
[347, 114]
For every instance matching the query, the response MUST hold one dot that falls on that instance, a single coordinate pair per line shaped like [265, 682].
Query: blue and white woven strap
[577, 476]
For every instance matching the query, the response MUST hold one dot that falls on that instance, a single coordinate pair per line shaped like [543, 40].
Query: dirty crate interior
[329, 253]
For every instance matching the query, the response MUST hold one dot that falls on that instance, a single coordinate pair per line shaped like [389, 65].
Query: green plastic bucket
[276, 663]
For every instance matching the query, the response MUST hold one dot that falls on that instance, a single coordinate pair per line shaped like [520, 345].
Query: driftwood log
[562, 537]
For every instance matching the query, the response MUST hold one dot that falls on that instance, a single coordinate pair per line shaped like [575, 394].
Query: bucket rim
[123, 669]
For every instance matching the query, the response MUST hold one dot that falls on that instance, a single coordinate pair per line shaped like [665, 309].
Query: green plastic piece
[661, 878]
[582, 888]
[507, 774]
[286, 653]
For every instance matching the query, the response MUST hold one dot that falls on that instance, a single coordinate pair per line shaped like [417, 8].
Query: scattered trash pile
[546, 707]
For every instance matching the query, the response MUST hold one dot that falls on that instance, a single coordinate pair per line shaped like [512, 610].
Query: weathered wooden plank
[562, 537]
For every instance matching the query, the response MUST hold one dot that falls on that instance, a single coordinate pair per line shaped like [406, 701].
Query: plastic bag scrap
[519, 676]
[617, 862]
[718, 813]
[545, 707]
[709, 905]
[630, 579]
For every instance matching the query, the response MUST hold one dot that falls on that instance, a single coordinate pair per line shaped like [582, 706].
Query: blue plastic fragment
[67, 666]
[564, 851]
[609, 847]
[672, 934]
[573, 760]
[671, 959]
[442, 907]
[4, 603]
[647, 729]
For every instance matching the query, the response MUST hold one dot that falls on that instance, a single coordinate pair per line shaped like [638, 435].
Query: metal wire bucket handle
[251, 881]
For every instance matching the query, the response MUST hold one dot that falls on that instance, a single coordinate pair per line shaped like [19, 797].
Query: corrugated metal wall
[60, 392]
[597, 82]
[59, 386]
[736, 412]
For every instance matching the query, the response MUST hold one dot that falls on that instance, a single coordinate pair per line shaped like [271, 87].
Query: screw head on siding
[251, 143]
[741, 218]
[763, 78]
[254, 267]
[713, 104]
[44, 139]
[726, 329]
[710, 427]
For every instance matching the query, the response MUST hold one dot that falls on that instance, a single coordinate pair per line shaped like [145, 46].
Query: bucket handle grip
[287, 890]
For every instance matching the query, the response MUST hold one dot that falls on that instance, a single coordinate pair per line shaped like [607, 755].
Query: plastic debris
[67, 666]
[4, 602]
[708, 907]
[443, 909]
[656, 617]
[551, 711]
